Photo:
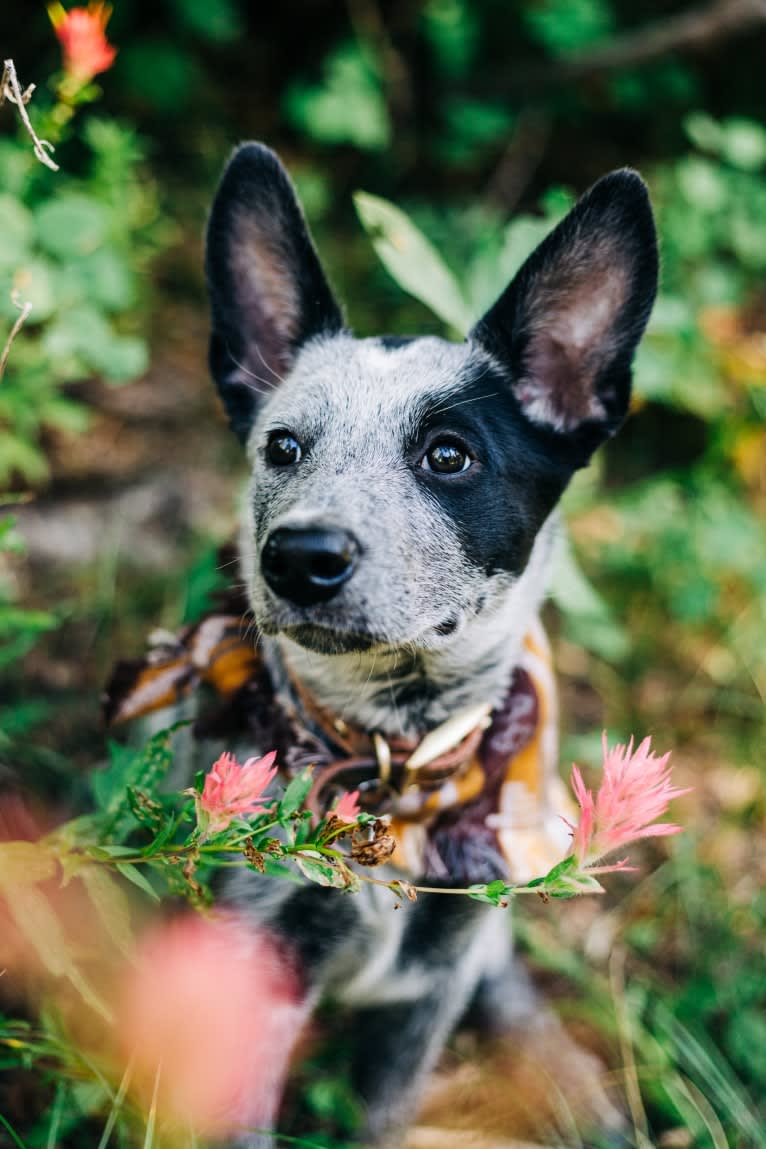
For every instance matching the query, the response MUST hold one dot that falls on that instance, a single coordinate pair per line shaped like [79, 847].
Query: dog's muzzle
[308, 565]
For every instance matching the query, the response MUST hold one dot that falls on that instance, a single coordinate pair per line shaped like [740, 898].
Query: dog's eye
[446, 458]
[283, 449]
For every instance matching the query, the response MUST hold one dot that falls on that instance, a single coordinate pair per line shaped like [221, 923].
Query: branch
[10, 90]
[25, 309]
[690, 31]
[520, 160]
[370, 28]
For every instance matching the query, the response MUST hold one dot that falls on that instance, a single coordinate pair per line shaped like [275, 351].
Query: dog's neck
[406, 692]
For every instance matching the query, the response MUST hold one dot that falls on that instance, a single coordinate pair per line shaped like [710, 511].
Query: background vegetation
[480, 120]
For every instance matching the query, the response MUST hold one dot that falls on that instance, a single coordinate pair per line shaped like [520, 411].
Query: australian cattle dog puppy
[396, 538]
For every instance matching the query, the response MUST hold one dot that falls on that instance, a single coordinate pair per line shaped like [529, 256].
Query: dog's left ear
[268, 293]
[567, 326]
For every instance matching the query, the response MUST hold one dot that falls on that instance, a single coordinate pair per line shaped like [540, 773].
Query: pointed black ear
[268, 293]
[567, 327]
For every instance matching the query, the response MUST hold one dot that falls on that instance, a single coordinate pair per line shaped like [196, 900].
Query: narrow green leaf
[56, 1111]
[589, 620]
[135, 876]
[165, 834]
[412, 260]
[296, 793]
[16, 1139]
[117, 1104]
[152, 1118]
[111, 905]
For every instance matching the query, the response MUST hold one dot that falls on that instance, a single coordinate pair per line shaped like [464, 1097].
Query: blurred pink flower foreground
[232, 790]
[210, 1011]
[635, 791]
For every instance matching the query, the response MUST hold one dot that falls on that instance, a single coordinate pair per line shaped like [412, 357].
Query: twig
[693, 30]
[25, 309]
[10, 90]
[520, 160]
[368, 23]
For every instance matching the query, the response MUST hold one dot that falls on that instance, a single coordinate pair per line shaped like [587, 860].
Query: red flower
[347, 807]
[209, 1011]
[232, 790]
[635, 791]
[82, 35]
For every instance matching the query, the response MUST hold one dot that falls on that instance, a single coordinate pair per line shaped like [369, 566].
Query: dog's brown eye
[283, 449]
[446, 459]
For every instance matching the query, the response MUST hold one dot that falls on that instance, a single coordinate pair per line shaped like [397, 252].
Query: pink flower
[635, 791]
[82, 35]
[232, 790]
[210, 1011]
[347, 807]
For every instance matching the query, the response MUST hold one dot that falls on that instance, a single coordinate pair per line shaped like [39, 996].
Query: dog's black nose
[308, 565]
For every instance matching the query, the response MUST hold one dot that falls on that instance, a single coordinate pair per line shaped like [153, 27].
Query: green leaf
[702, 185]
[106, 853]
[36, 281]
[744, 143]
[348, 107]
[16, 229]
[165, 834]
[71, 225]
[566, 26]
[12, 1132]
[111, 905]
[134, 875]
[493, 893]
[142, 769]
[126, 357]
[219, 22]
[277, 869]
[106, 278]
[588, 618]
[81, 337]
[704, 132]
[324, 873]
[412, 260]
[25, 458]
[296, 793]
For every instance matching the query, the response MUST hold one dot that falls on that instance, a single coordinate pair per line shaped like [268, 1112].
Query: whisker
[266, 382]
[268, 366]
[463, 402]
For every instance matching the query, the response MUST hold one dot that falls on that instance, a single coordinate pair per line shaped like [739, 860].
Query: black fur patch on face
[500, 503]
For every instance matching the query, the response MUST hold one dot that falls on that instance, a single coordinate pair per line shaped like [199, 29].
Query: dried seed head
[374, 852]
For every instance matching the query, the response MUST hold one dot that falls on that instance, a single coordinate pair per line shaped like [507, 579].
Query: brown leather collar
[376, 766]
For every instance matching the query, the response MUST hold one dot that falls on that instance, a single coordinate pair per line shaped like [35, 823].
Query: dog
[397, 534]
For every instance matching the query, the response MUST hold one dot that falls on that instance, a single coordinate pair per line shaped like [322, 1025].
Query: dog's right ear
[268, 293]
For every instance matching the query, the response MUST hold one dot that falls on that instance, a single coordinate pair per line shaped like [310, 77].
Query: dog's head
[399, 485]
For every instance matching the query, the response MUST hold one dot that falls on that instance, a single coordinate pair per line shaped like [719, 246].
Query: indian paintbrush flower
[636, 790]
[347, 807]
[82, 35]
[232, 790]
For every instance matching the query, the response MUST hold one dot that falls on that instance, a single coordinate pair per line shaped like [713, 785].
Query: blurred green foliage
[75, 247]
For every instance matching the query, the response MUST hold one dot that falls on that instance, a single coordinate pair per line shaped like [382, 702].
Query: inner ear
[567, 327]
[268, 293]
